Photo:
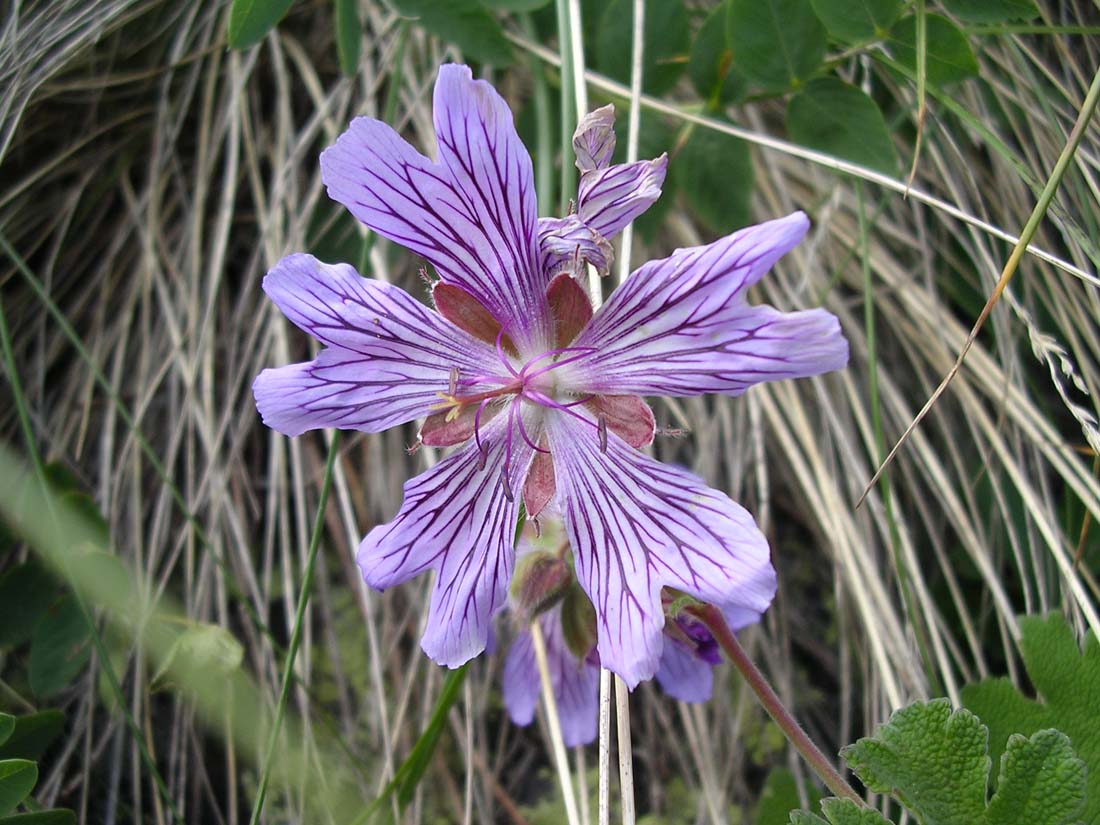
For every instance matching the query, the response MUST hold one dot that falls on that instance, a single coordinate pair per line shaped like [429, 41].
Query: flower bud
[578, 623]
[541, 580]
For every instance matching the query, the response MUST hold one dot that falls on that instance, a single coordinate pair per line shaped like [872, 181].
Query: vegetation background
[151, 175]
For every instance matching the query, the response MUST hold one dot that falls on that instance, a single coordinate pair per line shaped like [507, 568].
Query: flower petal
[472, 215]
[628, 416]
[388, 359]
[567, 244]
[681, 326]
[608, 199]
[683, 675]
[594, 139]
[520, 680]
[570, 306]
[460, 521]
[637, 525]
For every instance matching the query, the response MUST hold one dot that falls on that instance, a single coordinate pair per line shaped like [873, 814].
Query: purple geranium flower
[542, 393]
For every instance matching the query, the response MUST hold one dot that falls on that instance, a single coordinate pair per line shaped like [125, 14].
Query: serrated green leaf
[349, 35]
[779, 796]
[776, 44]
[934, 760]
[7, 726]
[1068, 684]
[667, 42]
[710, 65]
[33, 733]
[806, 818]
[834, 117]
[466, 23]
[250, 20]
[846, 812]
[949, 58]
[1042, 782]
[60, 647]
[17, 780]
[55, 816]
[25, 592]
[715, 173]
[858, 21]
[992, 11]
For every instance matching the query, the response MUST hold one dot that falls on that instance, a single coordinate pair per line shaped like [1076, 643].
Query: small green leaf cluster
[22, 741]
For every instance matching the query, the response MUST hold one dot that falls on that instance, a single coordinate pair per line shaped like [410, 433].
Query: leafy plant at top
[949, 58]
[1068, 687]
[250, 20]
[710, 64]
[777, 44]
[349, 35]
[835, 117]
[466, 23]
[935, 761]
[858, 21]
[715, 173]
[992, 11]
[778, 796]
[667, 40]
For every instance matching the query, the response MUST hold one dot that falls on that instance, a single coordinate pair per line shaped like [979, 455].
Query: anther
[452, 383]
[601, 426]
[505, 486]
[482, 457]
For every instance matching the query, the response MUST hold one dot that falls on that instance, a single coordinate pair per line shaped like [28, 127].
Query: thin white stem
[634, 122]
[561, 759]
[604, 813]
[582, 784]
[626, 753]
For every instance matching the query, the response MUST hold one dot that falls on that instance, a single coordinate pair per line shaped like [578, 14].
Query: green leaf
[715, 173]
[17, 780]
[349, 35]
[25, 592]
[1042, 782]
[710, 65]
[465, 23]
[834, 117]
[776, 44]
[934, 760]
[7, 726]
[33, 734]
[839, 812]
[858, 21]
[60, 647]
[667, 42]
[203, 648]
[992, 11]
[515, 5]
[949, 57]
[1068, 684]
[250, 20]
[56, 816]
[778, 796]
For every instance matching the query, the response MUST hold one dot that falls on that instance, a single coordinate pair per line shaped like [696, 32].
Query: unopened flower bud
[578, 623]
[540, 581]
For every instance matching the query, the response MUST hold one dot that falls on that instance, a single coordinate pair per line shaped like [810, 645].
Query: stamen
[452, 384]
[477, 432]
[504, 485]
[553, 353]
[482, 457]
[500, 353]
[601, 427]
[527, 438]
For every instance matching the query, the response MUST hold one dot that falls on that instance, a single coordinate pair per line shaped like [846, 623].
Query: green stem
[712, 617]
[296, 633]
[568, 107]
[544, 152]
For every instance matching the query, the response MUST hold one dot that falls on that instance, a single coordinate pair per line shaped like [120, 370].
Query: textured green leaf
[667, 42]
[779, 796]
[1042, 782]
[710, 65]
[250, 20]
[17, 779]
[846, 812]
[26, 590]
[60, 647]
[33, 734]
[56, 816]
[349, 35]
[992, 11]
[949, 57]
[715, 174]
[1069, 686]
[835, 117]
[7, 726]
[466, 23]
[858, 21]
[806, 818]
[934, 760]
[776, 44]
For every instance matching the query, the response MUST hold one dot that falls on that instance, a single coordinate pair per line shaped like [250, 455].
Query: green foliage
[715, 171]
[839, 812]
[58, 816]
[777, 44]
[515, 5]
[17, 780]
[32, 734]
[206, 648]
[992, 11]
[1041, 782]
[60, 647]
[250, 20]
[349, 35]
[949, 56]
[858, 21]
[1068, 687]
[666, 36]
[26, 590]
[7, 725]
[710, 64]
[463, 22]
[837, 118]
[778, 796]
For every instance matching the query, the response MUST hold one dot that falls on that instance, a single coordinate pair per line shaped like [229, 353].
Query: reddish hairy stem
[716, 623]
